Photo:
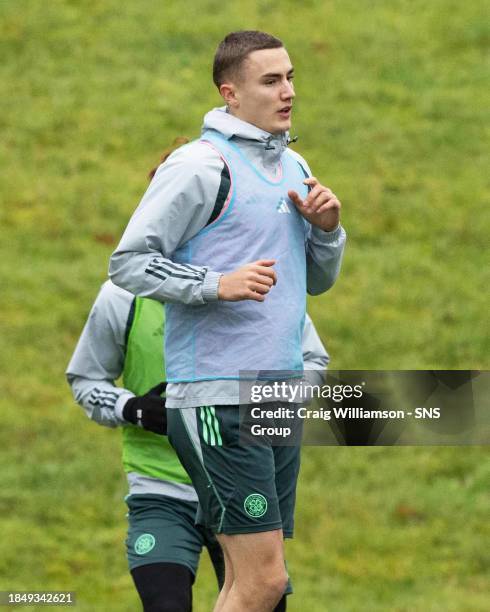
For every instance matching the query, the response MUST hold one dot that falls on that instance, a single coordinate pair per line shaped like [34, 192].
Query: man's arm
[324, 255]
[327, 237]
[184, 195]
[176, 206]
[98, 359]
[315, 355]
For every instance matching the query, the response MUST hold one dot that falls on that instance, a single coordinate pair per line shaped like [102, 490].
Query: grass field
[392, 112]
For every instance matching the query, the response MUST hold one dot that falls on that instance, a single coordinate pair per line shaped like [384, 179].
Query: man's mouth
[285, 112]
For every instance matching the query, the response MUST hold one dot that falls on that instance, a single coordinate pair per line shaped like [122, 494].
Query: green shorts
[162, 529]
[242, 488]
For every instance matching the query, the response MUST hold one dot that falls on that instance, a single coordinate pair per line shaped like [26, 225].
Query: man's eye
[269, 82]
[290, 78]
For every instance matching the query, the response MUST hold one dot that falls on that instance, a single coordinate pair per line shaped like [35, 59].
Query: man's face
[263, 93]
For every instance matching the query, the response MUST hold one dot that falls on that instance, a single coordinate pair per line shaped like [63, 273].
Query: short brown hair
[235, 47]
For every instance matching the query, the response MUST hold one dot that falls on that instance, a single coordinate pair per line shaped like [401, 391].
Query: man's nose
[287, 90]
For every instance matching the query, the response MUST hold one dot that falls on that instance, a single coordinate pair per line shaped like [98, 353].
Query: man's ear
[227, 91]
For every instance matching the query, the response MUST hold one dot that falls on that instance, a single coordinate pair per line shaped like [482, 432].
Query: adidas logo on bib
[282, 206]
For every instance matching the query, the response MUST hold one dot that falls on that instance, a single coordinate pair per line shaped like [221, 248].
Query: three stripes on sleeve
[163, 268]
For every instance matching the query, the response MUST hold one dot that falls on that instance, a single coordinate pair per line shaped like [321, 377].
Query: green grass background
[392, 112]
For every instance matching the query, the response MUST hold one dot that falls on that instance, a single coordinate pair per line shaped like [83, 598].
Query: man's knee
[266, 585]
[258, 566]
[275, 583]
[265, 592]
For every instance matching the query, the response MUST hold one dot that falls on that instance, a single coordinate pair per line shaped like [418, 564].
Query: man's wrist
[210, 286]
[119, 406]
[329, 230]
[329, 235]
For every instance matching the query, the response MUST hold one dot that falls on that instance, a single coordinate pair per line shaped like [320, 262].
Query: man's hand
[320, 207]
[251, 282]
[148, 411]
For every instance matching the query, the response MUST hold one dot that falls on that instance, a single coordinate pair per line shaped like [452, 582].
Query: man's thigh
[254, 554]
[235, 481]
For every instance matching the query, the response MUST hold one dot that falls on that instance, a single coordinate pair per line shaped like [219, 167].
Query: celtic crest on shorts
[255, 505]
[144, 544]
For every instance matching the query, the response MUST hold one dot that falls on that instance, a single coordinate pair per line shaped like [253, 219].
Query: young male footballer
[231, 234]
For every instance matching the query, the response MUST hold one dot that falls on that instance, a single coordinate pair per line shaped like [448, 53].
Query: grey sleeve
[324, 258]
[324, 250]
[177, 205]
[99, 356]
[315, 356]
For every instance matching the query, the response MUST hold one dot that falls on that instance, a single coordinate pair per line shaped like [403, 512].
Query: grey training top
[178, 203]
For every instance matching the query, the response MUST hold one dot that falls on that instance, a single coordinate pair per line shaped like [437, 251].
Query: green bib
[143, 451]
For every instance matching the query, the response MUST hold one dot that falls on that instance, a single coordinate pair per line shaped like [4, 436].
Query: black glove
[148, 410]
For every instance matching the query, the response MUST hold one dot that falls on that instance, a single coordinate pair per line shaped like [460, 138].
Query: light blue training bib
[258, 221]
